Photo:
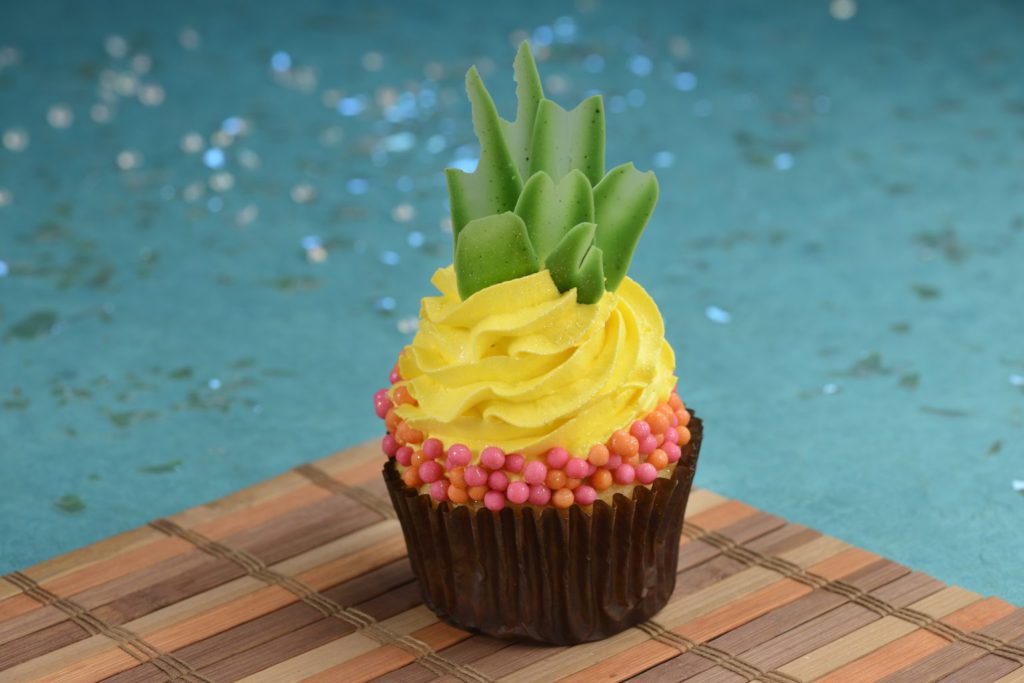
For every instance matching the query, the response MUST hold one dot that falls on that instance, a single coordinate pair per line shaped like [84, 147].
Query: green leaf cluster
[540, 197]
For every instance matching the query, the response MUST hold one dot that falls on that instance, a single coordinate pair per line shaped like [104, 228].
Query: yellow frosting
[522, 366]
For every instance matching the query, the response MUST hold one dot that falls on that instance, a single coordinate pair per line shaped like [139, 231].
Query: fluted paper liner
[549, 576]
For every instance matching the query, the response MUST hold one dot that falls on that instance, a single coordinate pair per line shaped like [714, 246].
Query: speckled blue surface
[837, 252]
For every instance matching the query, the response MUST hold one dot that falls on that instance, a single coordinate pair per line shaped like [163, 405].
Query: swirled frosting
[522, 366]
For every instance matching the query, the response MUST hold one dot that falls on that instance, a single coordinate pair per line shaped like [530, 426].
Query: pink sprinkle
[672, 450]
[648, 444]
[535, 472]
[674, 420]
[395, 377]
[591, 468]
[498, 481]
[433, 448]
[439, 490]
[459, 455]
[404, 456]
[646, 473]
[557, 457]
[671, 434]
[475, 476]
[492, 457]
[430, 471]
[640, 429]
[540, 494]
[514, 463]
[389, 445]
[624, 474]
[585, 495]
[518, 492]
[494, 500]
[614, 461]
[381, 403]
[576, 468]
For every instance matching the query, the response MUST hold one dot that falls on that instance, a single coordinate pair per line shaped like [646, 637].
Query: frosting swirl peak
[525, 367]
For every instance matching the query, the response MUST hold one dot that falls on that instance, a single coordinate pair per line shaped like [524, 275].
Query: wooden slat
[304, 577]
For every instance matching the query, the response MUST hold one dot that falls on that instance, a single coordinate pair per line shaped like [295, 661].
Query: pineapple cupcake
[539, 455]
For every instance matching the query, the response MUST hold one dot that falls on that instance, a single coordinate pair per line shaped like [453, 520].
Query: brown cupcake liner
[544, 575]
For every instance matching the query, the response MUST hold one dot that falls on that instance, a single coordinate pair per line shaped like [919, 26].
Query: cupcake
[539, 455]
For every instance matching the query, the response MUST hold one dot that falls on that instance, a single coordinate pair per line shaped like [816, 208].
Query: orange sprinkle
[633, 460]
[562, 498]
[659, 439]
[598, 455]
[457, 495]
[411, 477]
[573, 484]
[675, 402]
[401, 396]
[684, 417]
[408, 434]
[418, 458]
[625, 444]
[658, 458]
[457, 477]
[477, 492]
[665, 408]
[601, 479]
[556, 479]
[659, 422]
[684, 435]
[391, 421]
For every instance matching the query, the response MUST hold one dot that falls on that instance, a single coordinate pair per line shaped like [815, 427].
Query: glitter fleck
[373, 61]
[142, 63]
[718, 315]
[403, 213]
[400, 142]
[415, 239]
[189, 38]
[6, 197]
[101, 113]
[1018, 485]
[1017, 380]
[385, 304]
[214, 384]
[303, 193]
[357, 186]
[593, 63]
[246, 215]
[641, 65]
[4, 269]
[129, 159]
[351, 106]
[116, 47]
[214, 158]
[408, 325]
[664, 159]
[390, 258]
[842, 10]
[222, 181]
[192, 143]
[152, 95]
[60, 116]
[16, 139]
[783, 161]
[685, 81]
[436, 144]
[830, 389]
[281, 61]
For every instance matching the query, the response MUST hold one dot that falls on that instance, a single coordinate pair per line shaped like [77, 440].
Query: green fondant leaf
[490, 250]
[576, 262]
[623, 203]
[495, 184]
[551, 210]
[529, 93]
[564, 140]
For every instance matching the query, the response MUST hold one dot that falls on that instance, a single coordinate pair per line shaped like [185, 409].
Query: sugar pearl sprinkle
[635, 455]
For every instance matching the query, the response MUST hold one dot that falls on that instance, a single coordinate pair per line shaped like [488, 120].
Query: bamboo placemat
[304, 578]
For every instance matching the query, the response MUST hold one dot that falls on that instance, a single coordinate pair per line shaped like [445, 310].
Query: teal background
[837, 251]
